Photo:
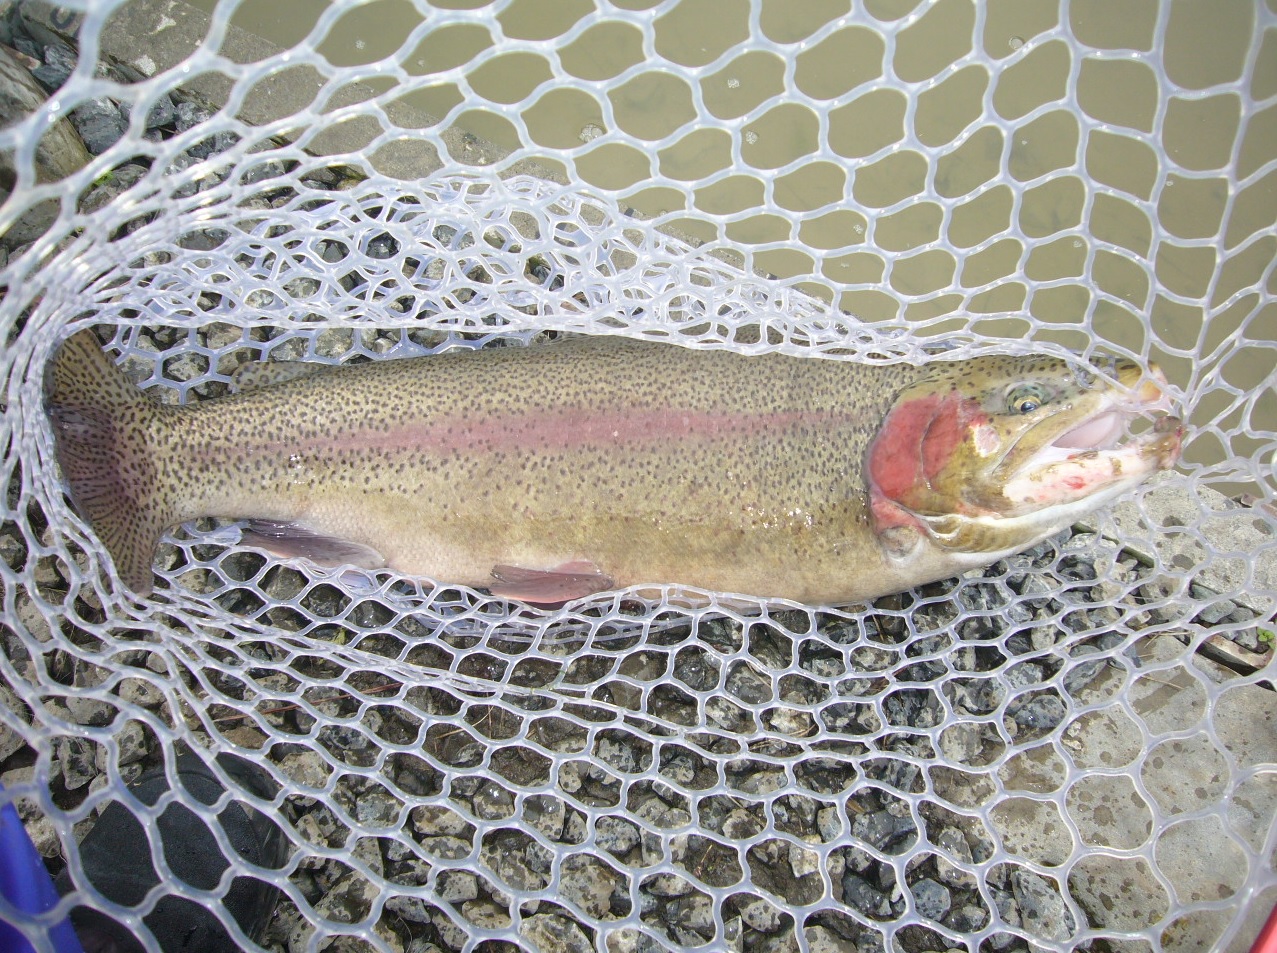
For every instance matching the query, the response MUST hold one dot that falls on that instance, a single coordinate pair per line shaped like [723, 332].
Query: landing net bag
[1073, 749]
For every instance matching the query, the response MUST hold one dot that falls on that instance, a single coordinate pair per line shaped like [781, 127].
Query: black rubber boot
[117, 861]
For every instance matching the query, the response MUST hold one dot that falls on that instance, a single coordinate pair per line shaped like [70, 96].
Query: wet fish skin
[604, 460]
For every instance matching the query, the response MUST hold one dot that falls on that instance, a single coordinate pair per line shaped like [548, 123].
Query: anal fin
[549, 587]
[288, 540]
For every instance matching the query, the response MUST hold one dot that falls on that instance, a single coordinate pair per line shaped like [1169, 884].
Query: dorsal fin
[268, 373]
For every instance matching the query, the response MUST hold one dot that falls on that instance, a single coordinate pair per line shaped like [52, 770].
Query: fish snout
[1147, 388]
[1169, 443]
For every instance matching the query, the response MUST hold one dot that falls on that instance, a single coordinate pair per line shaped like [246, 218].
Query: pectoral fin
[572, 580]
[287, 540]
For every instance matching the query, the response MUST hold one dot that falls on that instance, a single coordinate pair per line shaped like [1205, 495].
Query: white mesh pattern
[1000, 762]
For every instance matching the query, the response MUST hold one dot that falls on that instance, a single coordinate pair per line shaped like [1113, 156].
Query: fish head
[991, 454]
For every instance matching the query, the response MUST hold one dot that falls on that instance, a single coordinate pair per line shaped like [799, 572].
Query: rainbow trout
[549, 473]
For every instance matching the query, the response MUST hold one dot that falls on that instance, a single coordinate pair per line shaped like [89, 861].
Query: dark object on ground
[118, 863]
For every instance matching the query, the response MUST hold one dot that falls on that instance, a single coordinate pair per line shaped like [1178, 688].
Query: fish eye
[1026, 398]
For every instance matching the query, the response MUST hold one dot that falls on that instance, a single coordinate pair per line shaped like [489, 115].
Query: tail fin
[104, 427]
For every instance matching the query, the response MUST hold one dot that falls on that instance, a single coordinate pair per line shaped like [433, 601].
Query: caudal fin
[104, 428]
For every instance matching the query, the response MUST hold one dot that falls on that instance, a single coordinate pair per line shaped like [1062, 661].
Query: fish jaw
[1063, 474]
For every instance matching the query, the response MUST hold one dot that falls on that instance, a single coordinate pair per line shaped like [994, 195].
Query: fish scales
[452, 465]
[596, 463]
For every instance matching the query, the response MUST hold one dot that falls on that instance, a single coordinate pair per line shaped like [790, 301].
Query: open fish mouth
[1110, 428]
[1101, 432]
[1125, 440]
[1109, 434]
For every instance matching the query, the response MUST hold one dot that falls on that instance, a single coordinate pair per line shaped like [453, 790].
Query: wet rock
[517, 860]
[44, 836]
[865, 898]
[446, 848]
[550, 933]
[931, 899]
[954, 844]
[689, 919]
[1079, 676]
[10, 741]
[968, 919]
[485, 914]
[1024, 675]
[382, 246]
[134, 745]
[821, 939]
[368, 852]
[974, 697]
[13, 547]
[1213, 613]
[748, 685]
[436, 821]
[189, 115]
[590, 884]
[100, 124]
[961, 743]
[349, 900]
[261, 171]
[163, 112]
[377, 808]
[412, 909]
[306, 768]
[616, 835]
[452, 935]
[57, 66]
[141, 692]
[176, 166]
[492, 802]
[658, 814]
[1041, 908]
[884, 830]
[90, 711]
[303, 287]
[111, 186]
[760, 915]
[60, 151]
[803, 862]
[667, 885]
[458, 886]
[1040, 712]
[622, 752]
[77, 758]
[829, 824]
[27, 46]
[199, 239]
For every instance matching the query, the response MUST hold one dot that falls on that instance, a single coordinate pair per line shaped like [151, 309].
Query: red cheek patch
[918, 439]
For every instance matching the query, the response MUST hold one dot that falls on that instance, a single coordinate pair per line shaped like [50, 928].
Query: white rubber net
[1073, 749]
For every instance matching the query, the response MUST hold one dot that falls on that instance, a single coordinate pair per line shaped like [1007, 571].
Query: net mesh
[1073, 749]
